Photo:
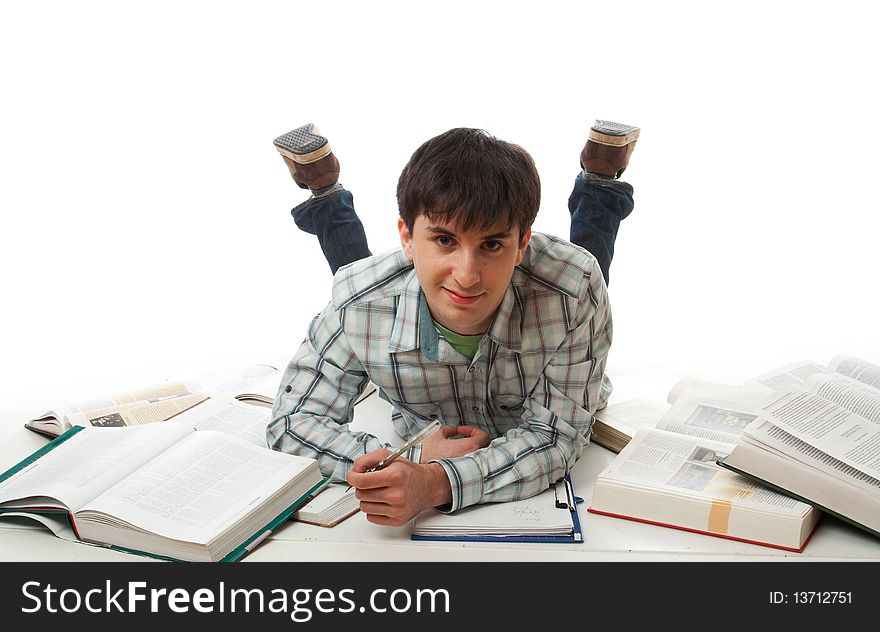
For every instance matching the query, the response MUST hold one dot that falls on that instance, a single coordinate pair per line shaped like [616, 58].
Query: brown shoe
[608, 148]
[309, 158]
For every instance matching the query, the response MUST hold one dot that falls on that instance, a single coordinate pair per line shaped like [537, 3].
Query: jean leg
[597, 206]
[332, 218]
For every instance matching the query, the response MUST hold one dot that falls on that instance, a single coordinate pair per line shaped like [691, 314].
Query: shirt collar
[506, 327]
[405, 334]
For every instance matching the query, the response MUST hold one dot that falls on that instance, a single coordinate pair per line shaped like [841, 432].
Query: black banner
[398, 596]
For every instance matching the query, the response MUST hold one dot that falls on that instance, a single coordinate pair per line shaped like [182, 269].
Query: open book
[257, 385]
[156, 403]
[617, 423]
[818, 439]
[162, 490]
[667, 475]
[329, 506]
[702, 409]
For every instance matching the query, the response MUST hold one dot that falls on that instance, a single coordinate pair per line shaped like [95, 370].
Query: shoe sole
[613, 134]
[304, 145]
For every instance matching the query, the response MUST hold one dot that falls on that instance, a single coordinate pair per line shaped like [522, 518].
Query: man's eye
[443, 240]
[493, 245]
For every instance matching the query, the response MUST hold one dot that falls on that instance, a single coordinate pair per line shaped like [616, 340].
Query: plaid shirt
[534, 384]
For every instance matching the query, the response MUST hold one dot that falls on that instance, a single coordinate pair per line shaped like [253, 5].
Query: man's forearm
[320, 438]
[438, 490]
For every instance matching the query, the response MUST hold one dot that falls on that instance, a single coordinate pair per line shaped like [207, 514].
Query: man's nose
[467, 270]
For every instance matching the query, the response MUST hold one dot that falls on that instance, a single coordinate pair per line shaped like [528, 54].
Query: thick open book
[256, 385]
[818, 439]
[703, 409]
[155, 403]
[617, 423]
[667, 474]
[550, 516]
[163, 490]
[329, 506]
[672, 480]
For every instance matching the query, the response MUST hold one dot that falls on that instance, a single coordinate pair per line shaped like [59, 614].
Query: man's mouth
[461, 299]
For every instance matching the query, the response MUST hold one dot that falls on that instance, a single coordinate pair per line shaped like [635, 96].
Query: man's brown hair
[470, 179]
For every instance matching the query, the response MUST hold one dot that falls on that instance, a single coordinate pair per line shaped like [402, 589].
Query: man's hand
[394, 495]
[442, 445]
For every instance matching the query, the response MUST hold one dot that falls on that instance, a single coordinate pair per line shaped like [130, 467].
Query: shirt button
[288, 388]
[471, 370]
[475, 409]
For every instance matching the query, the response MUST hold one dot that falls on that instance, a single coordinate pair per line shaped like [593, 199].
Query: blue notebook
[550, 516]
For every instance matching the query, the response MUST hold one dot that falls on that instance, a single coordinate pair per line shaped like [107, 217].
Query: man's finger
[385, 521]
[382, 478]
[448, 431]
[376, 509]
[366, 480]
[372, 495]
[365, 462]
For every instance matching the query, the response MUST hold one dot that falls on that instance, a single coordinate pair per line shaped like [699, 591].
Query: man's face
[464, 274]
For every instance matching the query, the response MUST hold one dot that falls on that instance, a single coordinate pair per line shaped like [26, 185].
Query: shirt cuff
[414, 453]
[465, 481]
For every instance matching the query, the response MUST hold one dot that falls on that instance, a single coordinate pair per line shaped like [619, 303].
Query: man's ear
[521, 248]
[405, 238]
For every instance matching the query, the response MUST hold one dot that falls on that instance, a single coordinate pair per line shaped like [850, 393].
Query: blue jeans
[597, 205]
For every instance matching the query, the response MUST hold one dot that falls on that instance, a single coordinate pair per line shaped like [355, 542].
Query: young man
[500, 333]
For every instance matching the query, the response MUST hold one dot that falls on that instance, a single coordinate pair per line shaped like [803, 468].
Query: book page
[830, 428]
[229, 416]
[686, 465]
[57, 420]
[139, 412]
[856, 368]
[713, 411]
[147, 395]
[59, 525]
[855, 396]
[329, 496]
[90, 462]
[767, 436]
[788, 377]
[330, 506]
[199, 486]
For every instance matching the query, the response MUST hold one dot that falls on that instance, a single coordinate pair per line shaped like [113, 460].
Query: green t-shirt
[465, 345]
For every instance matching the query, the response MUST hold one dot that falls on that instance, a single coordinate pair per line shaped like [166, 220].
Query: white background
[146, 228]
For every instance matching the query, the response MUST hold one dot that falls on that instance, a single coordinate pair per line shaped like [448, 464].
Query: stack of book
[754, 462]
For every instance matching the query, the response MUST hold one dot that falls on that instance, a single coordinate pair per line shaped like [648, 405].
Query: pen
[416, 440]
